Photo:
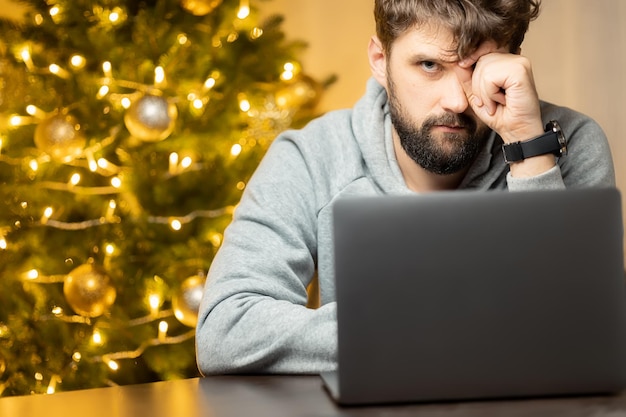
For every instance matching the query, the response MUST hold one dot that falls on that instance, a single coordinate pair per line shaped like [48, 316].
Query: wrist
[531, 167]
[550, 143]
[523, 135]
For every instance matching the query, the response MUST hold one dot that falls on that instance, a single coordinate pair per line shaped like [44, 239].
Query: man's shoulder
[331, 122]
[564, 114]
[328, 132]
[577, 126]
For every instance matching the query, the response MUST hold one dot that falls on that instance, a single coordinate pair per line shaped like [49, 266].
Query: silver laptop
[475, 295]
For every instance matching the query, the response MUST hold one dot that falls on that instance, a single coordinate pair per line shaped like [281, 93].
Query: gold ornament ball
[186, 302]
[89, 291]
[200, 7]
[151, 118]
[60, 137]
[301, 92]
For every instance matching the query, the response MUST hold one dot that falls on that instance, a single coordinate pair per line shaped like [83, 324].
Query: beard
[443, 154]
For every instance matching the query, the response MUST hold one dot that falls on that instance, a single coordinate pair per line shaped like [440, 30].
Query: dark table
[276, 396]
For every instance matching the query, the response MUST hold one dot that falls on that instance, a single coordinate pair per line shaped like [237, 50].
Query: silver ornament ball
[60, 137]
[186, 302]
[151, 118]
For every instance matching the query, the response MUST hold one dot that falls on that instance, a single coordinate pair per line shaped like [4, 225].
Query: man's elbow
[210, 356]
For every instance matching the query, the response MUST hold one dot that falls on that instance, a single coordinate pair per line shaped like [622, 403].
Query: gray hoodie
[253, 316]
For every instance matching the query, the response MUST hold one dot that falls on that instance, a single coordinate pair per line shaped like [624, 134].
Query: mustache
[451, 119]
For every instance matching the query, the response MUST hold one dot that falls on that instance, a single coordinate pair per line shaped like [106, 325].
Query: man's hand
[501, 91]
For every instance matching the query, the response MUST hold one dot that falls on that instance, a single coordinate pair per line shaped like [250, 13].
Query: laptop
[470, 295]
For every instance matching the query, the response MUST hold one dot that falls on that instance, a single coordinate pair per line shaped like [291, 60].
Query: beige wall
[578, 49]
[337, 32]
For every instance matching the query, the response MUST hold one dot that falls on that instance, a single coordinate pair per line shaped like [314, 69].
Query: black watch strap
[551, 142]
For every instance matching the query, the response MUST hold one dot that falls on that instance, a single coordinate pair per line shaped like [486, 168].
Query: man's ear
[378, 60]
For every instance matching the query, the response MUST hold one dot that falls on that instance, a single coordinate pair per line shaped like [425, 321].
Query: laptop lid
[468, 295]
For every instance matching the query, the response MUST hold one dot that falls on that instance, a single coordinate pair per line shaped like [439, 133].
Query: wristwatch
[553, 141]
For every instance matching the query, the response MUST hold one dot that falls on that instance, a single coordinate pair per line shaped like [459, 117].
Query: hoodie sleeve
[253, 316]
[588, 162]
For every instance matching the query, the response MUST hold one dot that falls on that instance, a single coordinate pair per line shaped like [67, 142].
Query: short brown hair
[471, 22]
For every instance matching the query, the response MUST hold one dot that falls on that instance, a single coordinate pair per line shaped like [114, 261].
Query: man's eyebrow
[439, 58]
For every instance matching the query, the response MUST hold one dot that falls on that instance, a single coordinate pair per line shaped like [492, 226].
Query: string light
[232, 37]
[75, 179]
[52, 384]
[103, 163]
[209, 83]
[26, 58]
[114, 366]
[35, 111]
[159, 76]
[32, 274]
[47, 213]
[77, 61]
[215, 239]
[256, 33]
[93, 165]
[25, 54]
[163, 326]
[54, 11]
[182, 39]
[288, 71]
[244, 9]
[15, 120]
[197, 104]
[111, 206]
[116, 182]
[114, 16]
[208, 214]
[235, 150]
[102, 92]
[132, 354]
[58, 71]
[173, 165]
[3, 243]
[106, 69]
[106, 166]
[176, 225]
[154, 300]
[96, 337]
[186, 162]
[244, 105]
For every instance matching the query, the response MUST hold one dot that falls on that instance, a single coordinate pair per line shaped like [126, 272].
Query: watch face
[556, 128]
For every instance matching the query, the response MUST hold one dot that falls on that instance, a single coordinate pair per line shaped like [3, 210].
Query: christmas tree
[128, 130]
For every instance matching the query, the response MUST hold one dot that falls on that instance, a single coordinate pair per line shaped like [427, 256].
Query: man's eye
[429, 66]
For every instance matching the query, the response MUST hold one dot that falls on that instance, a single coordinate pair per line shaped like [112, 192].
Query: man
[449, 89]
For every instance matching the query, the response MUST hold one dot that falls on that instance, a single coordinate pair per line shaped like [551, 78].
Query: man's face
[428, 104]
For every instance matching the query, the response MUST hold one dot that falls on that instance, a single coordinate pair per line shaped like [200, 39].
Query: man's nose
[453, 96]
